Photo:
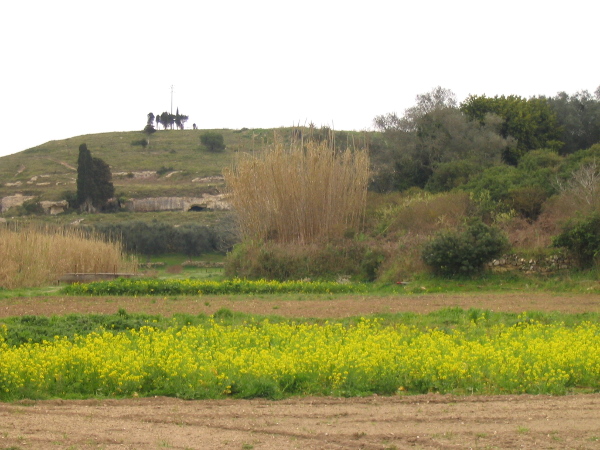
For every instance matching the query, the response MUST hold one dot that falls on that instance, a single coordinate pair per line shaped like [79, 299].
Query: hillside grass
[55, 162]
[206, 218]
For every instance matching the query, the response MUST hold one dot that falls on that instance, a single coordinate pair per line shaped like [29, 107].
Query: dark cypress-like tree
[94, 181]
[103, 181]
[85, 179]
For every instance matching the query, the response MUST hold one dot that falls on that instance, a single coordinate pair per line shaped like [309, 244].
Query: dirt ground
[423, 421]
[301, 306]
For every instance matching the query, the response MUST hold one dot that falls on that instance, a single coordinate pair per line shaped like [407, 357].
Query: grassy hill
[49, 170]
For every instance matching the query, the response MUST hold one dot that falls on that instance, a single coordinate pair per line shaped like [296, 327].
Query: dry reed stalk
[36, 256]
[301, 193]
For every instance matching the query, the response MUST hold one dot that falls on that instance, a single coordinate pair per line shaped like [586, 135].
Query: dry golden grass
[35, 256]
[301, 193]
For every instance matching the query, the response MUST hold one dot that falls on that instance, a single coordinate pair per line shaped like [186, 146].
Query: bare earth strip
[288, 306]
[318, 307]
[423, 421]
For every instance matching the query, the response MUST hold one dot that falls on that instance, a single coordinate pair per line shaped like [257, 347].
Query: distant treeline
[167, 120]
[439, 144]
[156, 238]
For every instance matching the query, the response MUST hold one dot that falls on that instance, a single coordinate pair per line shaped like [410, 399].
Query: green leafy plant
[464, 253]
[213, 141]
[581, 238]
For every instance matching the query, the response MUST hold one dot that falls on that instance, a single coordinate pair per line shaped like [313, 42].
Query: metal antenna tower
[171, 99]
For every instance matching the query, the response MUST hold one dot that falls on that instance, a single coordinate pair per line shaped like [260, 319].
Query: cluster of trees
[439, 144]
[167, 120]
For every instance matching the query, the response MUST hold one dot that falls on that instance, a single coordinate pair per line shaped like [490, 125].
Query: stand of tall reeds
[37, 256]
[299, 193]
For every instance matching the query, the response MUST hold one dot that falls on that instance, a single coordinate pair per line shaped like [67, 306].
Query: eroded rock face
[207, 201]
[13, 200]
[54, 208]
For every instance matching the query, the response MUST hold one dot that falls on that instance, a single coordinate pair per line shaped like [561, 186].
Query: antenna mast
[171, 99]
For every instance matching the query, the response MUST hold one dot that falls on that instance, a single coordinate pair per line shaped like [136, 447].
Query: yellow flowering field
[264, 359]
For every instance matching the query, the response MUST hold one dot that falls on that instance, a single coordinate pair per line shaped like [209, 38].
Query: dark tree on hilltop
[167, 120]
[149, 128]
[180, 120]
[94, 181]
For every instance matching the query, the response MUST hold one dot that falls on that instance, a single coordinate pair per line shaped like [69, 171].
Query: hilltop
[174, 164]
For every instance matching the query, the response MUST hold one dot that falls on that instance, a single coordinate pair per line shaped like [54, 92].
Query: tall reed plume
[36, 256]
[302, 192]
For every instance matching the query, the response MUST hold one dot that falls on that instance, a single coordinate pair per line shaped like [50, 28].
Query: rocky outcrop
[207, 201]
[54, 208]
[13, 200]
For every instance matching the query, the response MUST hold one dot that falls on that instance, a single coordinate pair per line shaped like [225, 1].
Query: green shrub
[464, 253]
[140, 143]
[163, 170]
[527, 201]
[213, 141]
[256, 260]
[581, 238]
[452, 174]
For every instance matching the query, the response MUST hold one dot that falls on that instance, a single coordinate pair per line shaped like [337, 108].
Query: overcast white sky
[70, 68]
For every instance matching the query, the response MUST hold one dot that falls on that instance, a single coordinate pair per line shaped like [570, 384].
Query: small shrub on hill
[213, 141]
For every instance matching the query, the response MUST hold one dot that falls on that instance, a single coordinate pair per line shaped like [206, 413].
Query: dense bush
[156, 238]
[527, 201]
[452, 174]
[213, 141]
[581, 238]
[464, 253]
[273, 261]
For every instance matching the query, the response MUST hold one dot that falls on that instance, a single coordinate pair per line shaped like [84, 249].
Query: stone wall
[207, 201]
[548, 264]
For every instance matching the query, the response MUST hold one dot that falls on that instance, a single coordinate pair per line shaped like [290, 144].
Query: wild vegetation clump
[302, 193]
[342, 259]
[298, 206]
[581, 238]
[36, 256]
[464, 253]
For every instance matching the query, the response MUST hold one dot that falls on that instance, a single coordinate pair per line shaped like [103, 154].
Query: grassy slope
[180, 150]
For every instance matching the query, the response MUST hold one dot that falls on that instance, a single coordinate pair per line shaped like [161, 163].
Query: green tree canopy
[94, 181]
[213, 141]
[532, 122]
[579, 119]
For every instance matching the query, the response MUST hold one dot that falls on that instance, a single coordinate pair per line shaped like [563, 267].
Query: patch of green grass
[572, 281]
